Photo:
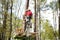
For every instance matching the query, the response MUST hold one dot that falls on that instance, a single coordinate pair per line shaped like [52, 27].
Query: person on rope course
[27, 18]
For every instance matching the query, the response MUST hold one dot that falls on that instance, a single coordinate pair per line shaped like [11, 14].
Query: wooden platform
[23, 35]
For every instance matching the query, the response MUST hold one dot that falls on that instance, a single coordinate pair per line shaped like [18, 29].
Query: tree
[11, 20]
[47, 32]
[59, 19]
[55, 9]
[5, 17]
[38, 17]
[5, 6]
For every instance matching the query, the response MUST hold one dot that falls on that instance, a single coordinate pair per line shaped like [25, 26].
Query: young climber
[27, 18]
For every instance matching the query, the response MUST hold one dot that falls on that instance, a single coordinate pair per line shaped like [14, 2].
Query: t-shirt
[28, 13]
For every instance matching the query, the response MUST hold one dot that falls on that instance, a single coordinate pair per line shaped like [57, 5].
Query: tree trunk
[4, 27]
[27, 5]
[35, 19]
[5, 7]
[11, 20]
[59, 20]
[59, 26]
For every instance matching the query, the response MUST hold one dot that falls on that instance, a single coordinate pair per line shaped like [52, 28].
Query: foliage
[48, 32]
[54, 5]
